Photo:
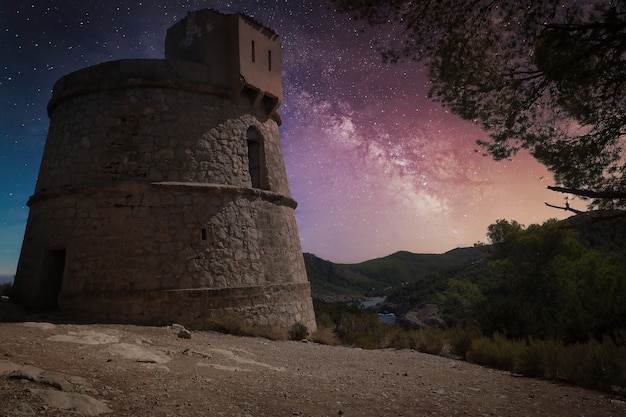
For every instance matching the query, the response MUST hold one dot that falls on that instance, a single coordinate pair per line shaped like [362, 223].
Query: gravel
[151, 371]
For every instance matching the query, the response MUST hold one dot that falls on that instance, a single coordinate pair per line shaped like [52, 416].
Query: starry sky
[375, 166]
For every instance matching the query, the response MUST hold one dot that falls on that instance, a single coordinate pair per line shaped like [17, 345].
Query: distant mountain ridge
[377, 277]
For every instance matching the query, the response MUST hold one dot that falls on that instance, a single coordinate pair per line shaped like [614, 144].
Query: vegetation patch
[298, 331]
[542, 301]
[6, 289]
[595, 364]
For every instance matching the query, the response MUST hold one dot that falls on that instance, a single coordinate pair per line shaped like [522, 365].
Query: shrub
[539, 358]
[496, 351]
[298, 331]
[532, 359]
[325, 336]
[461, 340]
[597, 365]
[361, 328]
[324, 320]
[6, 289]
[430, 340]
[403, 339]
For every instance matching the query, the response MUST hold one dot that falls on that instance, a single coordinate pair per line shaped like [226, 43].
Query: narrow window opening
[254, 157]
[269, 60]
[203, 234]
[253, 52]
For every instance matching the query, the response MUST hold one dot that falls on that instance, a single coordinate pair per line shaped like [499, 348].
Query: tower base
[274, 306]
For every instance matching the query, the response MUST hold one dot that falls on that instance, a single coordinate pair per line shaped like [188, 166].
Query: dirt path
[122, 370]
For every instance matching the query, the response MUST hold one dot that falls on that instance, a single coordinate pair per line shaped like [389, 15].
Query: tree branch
[589, 193]
[568, 208]
[592, 219]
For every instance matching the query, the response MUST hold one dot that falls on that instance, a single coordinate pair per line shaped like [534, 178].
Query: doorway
[52, 279]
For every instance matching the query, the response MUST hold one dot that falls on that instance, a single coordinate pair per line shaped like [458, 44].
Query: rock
[85, 338]
[136, 353]
[392, 308]
[57, 380]
[77, 403]
[184, 334]
[41, 325]
[411, 316]
[6, 368]
[427, 315]
[63, 399]
[22, 409]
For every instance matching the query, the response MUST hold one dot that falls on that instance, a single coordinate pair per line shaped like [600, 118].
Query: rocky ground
[121, 370]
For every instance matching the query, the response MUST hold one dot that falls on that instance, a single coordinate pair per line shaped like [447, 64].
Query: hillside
[382, 276]
[377, 277]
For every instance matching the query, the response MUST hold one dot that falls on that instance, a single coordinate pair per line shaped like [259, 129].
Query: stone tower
[162, 193]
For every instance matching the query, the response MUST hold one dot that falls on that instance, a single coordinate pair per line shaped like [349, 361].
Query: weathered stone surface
[427, 315]
[7, 368]
[416, 317]
[22, 409]
[136, 353]
[57, 380]
[184, 334]
[85, 338]
[74, 402]
[163, 197]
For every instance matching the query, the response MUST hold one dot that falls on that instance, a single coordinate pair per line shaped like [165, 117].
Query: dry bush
[461, 340]
[430, 340]
[268, 332]
[403, 339]
[496, 351]
[538, 358]
[598, 365]
[324, 336]
[298, 331]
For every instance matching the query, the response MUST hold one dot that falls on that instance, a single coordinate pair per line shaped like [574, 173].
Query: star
[375, 166]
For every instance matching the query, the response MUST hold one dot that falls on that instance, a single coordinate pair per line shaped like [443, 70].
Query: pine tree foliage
[540, 75]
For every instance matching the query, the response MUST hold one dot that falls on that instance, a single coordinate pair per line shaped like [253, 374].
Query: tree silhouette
[540, 75]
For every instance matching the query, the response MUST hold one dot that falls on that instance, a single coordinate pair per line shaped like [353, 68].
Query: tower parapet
[242, 55]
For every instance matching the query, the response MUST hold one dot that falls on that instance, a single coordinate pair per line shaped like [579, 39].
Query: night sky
[376, 167]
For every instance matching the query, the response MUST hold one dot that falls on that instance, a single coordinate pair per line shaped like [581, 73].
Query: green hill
[407, 275]
[377, 277]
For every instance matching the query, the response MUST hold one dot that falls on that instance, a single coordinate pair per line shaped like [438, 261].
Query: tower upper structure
[242, 55]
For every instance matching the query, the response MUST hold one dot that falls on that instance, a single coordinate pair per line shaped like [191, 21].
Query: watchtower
[162, 193]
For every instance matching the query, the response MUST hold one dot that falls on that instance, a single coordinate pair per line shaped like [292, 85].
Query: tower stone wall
[162, 197]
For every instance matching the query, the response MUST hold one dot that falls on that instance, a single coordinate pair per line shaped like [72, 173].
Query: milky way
[375, 166]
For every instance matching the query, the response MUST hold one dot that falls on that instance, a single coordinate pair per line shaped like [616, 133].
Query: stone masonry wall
[144, 187]
[152, 131]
